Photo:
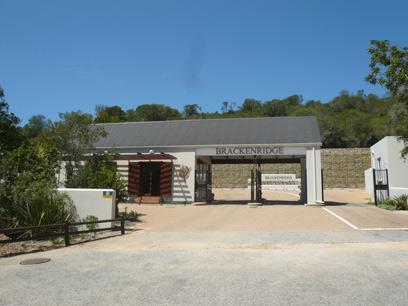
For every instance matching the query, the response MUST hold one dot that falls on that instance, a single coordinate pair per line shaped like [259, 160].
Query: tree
[109, 114]
[228, 107]
[35, 126]
[99, 171]
[154, 112]
[333, 137]
[29, 164]
[389, 68]
[294, 100]
[72, 136]
[275, 108]
[10, 136]
[191, 110]
[249, 105]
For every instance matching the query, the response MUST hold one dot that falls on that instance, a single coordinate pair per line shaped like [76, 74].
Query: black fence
[26, 233]
[381, 185]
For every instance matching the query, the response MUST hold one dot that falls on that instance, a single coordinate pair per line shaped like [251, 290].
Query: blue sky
[58, 56]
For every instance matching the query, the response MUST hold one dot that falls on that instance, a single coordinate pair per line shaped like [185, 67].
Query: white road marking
[385, 229]
[341, 219]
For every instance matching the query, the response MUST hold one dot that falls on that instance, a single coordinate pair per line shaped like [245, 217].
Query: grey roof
[270, 130]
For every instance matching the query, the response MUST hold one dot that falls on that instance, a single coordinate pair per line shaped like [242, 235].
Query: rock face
[342, 168]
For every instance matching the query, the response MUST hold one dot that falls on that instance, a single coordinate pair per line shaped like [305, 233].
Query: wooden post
[66, 233]
[122, 225]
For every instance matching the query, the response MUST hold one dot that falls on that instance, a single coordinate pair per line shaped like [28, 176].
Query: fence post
[66, 233]
[122, 225]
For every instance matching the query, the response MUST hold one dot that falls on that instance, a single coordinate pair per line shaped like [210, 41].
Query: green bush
[40, 204]
[401, 202]
[130, 216]
[99, 171]
[397, 203]
[91, 218]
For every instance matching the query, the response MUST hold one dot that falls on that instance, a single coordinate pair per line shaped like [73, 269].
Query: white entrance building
[172, 160]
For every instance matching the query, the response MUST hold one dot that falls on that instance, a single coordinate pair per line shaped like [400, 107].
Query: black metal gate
[256, 184]
[381, 185]
[203, 183]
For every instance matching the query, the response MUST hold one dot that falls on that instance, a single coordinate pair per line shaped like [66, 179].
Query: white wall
[396, 192]
[314, 176]
[183, 191]
[389, 149]
[92, 202]
[380, 149]
[398, 167]
[368, 179]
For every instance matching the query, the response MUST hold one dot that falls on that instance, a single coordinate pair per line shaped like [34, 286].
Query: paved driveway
[223, 255]
[235, 218]
[171, 218]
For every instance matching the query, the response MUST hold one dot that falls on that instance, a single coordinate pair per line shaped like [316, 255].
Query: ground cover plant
[397, 203]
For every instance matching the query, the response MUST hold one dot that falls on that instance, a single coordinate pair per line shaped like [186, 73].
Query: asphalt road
[217, 268]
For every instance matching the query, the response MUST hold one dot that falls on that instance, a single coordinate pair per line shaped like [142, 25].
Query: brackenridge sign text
[250, 151]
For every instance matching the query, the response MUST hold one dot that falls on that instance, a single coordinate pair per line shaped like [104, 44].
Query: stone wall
[342, 168]
[236, 176]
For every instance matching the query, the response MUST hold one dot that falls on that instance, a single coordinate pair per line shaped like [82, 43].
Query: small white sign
[278, 182]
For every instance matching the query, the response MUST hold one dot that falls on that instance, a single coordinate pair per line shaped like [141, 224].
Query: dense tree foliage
[153, 112]
[389, 67]
[99, 171]
[30, 159]
[9, 131]
[348, 120]
[191, 111]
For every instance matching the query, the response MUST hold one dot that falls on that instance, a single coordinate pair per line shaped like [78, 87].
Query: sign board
[250, 151]
[107, 194]
[278, 182]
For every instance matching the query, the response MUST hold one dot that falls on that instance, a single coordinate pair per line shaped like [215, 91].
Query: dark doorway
[150, 179]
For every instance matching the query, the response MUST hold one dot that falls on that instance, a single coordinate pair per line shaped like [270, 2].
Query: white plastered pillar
[314, 176]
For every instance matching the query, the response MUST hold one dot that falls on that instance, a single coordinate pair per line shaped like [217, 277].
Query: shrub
[91, 218]
[401, 202]
[92, 226]
[99, 171]
[130, 216]
[397, 203]
[40, 204]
